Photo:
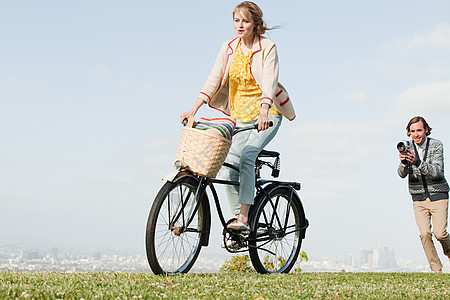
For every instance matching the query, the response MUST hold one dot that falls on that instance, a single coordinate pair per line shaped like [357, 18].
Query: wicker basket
[201, 151]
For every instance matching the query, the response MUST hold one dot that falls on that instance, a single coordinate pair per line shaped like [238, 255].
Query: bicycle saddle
[266, 153]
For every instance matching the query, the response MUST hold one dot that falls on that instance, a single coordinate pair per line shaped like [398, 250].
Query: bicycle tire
[173, 249]
[278, 226]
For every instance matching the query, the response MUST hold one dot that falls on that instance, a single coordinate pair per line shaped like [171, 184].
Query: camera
[404, 146]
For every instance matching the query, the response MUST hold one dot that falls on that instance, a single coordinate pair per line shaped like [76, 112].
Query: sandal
[239, 226]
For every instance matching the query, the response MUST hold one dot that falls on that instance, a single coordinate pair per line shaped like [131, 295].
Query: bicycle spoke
[274, 210]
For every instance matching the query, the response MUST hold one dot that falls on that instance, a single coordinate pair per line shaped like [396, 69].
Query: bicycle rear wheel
[277, 229]
[175, 227]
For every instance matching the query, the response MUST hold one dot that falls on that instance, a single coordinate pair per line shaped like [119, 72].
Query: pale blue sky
[91, 92]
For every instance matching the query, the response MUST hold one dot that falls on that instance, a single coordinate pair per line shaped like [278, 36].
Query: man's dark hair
[415, 120]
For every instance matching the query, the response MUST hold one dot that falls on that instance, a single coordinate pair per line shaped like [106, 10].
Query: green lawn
[224, 285]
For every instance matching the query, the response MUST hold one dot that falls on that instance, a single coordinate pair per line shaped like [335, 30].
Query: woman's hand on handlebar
[263, 120]
[193, 110]
[185, 116]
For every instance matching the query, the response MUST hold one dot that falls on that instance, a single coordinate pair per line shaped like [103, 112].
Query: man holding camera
[423, 161]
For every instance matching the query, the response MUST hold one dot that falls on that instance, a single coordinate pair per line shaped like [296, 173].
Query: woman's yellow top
[245, 94]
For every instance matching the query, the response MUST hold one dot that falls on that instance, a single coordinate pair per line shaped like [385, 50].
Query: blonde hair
[251, 10]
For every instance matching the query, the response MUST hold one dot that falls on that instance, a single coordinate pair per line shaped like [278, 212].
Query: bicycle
[179, 221]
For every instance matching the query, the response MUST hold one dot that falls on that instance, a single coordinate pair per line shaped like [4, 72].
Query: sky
[91, 93]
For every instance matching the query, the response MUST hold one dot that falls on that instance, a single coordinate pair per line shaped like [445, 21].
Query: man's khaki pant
[438, 211]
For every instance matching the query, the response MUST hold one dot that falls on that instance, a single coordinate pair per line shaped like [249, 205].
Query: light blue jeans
[244, 150]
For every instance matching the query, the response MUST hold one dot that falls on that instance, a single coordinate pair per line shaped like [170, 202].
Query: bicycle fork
[199, 193]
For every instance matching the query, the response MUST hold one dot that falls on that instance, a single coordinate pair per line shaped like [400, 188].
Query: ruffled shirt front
[245, 94]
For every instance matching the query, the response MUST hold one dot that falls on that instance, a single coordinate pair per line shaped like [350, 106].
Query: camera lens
[401, 147]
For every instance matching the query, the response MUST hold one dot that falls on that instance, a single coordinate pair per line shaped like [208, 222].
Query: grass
[224, 285]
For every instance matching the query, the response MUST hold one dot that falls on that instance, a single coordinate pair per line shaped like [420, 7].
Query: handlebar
[255, 126]
[237, 129]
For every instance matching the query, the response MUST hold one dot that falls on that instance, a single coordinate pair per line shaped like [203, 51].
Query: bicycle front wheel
[175, 227]
[277, 229]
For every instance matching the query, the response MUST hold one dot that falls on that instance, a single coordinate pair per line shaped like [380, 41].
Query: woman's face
[243, 26]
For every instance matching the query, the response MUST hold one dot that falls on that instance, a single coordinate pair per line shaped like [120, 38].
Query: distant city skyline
[58, 260]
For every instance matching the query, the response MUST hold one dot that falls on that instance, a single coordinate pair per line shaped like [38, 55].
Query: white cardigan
[264, 69]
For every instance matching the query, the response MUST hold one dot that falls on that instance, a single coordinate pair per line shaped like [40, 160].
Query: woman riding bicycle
[244, 85]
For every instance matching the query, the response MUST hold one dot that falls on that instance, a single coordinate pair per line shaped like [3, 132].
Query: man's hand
[408, 156]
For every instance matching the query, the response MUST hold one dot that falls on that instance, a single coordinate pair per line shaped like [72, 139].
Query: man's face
[418, 133]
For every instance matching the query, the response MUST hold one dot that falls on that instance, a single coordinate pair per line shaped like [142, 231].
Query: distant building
[364, 257]
[349, 260]
[54, 252]
[33, 255]
[387, 259]
[378, 258]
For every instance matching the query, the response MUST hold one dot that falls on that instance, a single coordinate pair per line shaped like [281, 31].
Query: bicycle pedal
[230, 244]
[260, 231]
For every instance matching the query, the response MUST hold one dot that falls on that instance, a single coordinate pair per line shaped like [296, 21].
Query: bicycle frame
[261, 186]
